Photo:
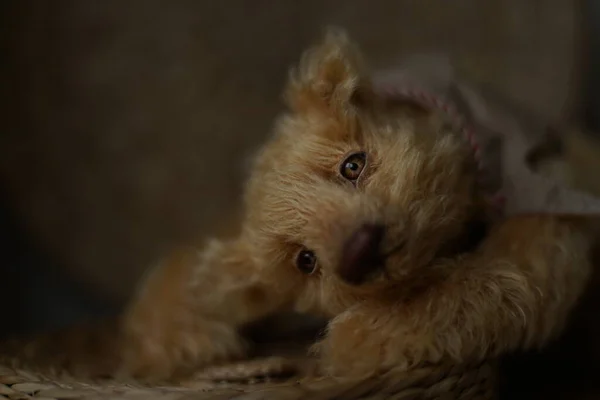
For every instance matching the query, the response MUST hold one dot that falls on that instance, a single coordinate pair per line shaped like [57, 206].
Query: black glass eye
[353, 166]
[306, 261]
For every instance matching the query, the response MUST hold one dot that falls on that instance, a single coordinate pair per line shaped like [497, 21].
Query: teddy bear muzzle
[361, 254]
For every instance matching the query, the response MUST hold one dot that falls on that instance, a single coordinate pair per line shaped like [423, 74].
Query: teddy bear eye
[353, 166]
[306, 261]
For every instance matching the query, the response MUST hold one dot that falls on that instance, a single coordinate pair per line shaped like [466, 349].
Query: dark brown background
[125, 124]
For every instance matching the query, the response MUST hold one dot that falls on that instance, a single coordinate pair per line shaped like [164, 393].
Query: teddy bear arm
[188, 311]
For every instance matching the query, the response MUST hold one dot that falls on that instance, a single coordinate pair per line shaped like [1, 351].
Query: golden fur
[433, 299]
[515, 290]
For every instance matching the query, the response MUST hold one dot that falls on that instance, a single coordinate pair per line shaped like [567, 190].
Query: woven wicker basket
[451, 383]
[279, 353]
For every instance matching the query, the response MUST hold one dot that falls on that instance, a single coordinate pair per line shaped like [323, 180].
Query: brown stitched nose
[361, 254]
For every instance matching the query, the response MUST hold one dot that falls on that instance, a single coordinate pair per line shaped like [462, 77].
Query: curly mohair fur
[429, 303]
[433, 298]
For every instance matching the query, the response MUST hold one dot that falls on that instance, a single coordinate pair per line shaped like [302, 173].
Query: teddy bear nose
[361, 254]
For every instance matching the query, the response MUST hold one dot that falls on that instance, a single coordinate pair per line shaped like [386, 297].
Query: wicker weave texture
[474, 383]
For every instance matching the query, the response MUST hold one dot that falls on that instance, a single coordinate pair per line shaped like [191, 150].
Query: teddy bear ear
[330, 78]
